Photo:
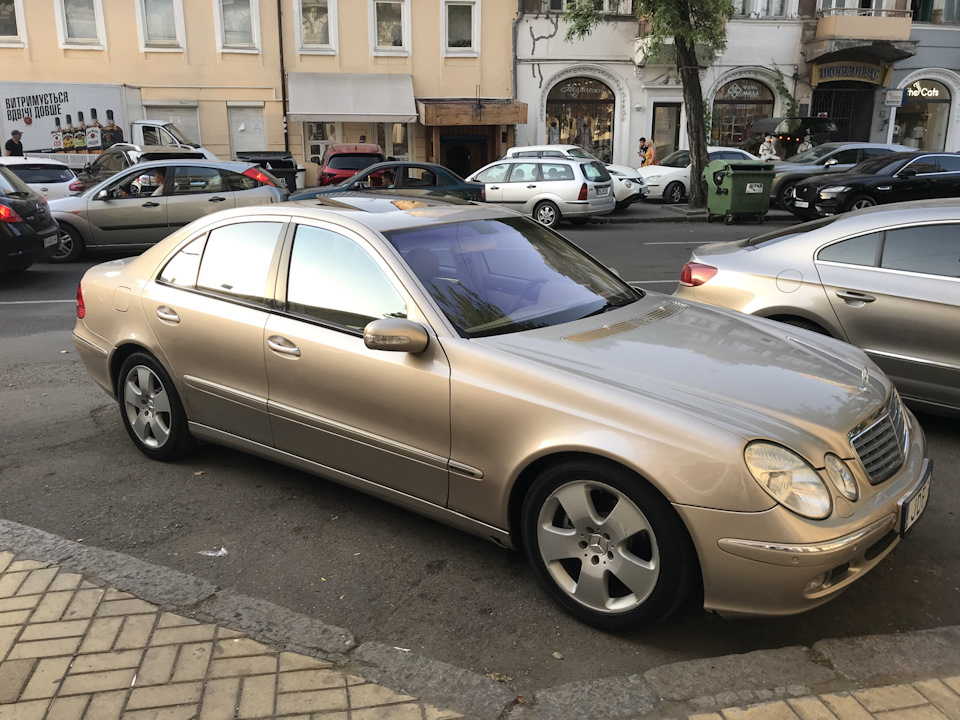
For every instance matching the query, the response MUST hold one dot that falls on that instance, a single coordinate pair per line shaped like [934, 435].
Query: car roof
[17, 160]
[222, 164]
[369, 148]
[912, 211]
[539, 148]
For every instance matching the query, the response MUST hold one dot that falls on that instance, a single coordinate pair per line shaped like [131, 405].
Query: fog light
[816, 583]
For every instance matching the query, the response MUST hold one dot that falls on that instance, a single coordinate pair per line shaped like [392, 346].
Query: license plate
[801, 203]
[602, 190]
[52, 240]
[914, 502]
[754, 188]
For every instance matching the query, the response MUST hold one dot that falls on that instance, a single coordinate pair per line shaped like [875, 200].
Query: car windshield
[177, 133]
[350, 161]
[580, 153]
[42, 173]
[678, 159]
[505, 275]
[811, 155]
[880, 165]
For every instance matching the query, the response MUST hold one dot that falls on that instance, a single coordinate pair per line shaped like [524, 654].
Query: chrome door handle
[494, 187]
[850, 295]
[282, 345]
[150, 204]
[531, 187]
[216, 199]
[168, 314]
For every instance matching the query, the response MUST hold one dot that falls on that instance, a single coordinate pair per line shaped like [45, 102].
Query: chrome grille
[880, 445]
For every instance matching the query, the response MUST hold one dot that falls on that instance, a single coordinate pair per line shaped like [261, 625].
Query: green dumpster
[738, 189]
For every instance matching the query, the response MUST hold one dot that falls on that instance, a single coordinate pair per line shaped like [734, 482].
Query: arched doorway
[736, 106]
[583, 110]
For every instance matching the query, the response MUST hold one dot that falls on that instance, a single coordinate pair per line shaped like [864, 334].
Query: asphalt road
[387, 575]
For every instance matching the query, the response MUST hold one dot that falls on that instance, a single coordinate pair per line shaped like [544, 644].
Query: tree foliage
[697, 31]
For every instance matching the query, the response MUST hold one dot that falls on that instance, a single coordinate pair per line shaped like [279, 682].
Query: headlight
[788, 479]
[833, 190]
[842, 477]
[652, 178]
[627, 184]
[615, 173]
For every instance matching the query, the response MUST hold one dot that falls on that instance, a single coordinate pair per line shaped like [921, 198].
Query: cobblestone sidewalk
[70, 650]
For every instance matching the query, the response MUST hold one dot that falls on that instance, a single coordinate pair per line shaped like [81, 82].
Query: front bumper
[757, 564]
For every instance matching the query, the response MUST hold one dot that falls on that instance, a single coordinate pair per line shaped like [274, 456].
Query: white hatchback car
[50, 178]
[670, 179]
[549, 189]
[628, 186]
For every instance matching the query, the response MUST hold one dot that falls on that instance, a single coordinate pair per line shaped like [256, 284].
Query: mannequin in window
[553, 133]
[805, 145]
[768, 150]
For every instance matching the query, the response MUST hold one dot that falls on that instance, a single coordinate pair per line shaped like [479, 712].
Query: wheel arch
[127, 348]
[784, 315]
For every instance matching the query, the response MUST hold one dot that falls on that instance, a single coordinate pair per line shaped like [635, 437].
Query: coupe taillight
[76, 186]
[694, 274]
[583, 192]
[81, 308]
[259, 176]
[9, 215]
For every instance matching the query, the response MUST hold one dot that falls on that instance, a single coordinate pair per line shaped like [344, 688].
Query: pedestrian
[14, 146]
[363, 138]
[648, 154]
[768, 151]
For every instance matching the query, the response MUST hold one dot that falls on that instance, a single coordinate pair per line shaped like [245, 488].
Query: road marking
[34, 302]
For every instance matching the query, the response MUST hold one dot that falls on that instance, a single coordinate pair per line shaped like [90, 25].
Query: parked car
[670, 180]
[628, 186]
[123, 155]
[829, 157]
[886, 279]
[28, 233]
[405, 176]
[549, 189]
[343, 161]
[50, 178]
[890, 178]
[129, 211]
[466, 363]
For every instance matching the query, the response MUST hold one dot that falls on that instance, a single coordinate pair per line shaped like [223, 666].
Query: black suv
[28, 232]
[895, 177]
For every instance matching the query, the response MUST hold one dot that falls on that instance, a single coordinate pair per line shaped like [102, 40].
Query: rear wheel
[861, 201]
[606, 546]
[673, 193]
[69, 246]
[546, 213]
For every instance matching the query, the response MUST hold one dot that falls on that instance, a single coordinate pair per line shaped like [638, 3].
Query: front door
[381, 416]
[132, 214]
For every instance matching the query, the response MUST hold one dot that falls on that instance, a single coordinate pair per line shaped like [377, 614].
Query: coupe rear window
[353, 161]
[43, 173]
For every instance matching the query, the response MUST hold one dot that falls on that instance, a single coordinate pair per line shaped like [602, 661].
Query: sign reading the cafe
[848, 70]
[925, 90]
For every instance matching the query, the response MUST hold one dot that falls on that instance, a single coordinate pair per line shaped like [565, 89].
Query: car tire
[70, 246]
[860, 202]
[151, 410]
[546, 213]
[673, 193]
[623, 204]
[784, 194]
[640, 564]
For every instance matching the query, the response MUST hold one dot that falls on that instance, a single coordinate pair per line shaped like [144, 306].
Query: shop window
[316, 137]
[80, 24]
[11, 23]
[317, 29]
[462, 27]
[161, 24]
[583, 112]
[238, 29]
[394, 140]
[923, 119]
[390, 27]
[736, 106]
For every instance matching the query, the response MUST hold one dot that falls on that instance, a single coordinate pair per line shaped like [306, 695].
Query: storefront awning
[351, 97]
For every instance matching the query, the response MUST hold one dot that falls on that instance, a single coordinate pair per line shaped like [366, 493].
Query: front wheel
[69, 245]
[863, 201]
[785, 195]
[673, 193]
[151, 409]
[546, 213]
[606, 546]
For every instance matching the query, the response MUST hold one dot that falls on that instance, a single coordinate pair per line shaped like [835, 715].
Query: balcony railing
[864, 12]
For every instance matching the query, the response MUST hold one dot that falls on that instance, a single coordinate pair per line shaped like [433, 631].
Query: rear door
[196, 191]
[924, 184]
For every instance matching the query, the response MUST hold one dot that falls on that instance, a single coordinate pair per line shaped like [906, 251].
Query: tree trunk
[689, 71]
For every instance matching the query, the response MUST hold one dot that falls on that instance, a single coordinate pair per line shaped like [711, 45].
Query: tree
[697, 29]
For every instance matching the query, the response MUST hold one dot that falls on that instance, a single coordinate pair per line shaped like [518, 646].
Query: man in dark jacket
[14, 146]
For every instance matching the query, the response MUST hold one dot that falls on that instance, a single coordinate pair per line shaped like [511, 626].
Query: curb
[677, 689]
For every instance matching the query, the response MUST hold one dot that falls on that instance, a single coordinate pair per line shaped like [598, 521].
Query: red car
[341, 162]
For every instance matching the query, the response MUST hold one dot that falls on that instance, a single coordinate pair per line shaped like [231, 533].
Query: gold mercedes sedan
[467, 363]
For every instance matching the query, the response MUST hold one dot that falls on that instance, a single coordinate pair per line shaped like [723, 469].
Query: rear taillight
[583, 192]
[259, 176]
[81, 309]
[76, 186]
[9, 215]
[694, 274]
[327, 177]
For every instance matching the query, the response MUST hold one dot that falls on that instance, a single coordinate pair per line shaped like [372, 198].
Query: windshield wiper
[608, 306]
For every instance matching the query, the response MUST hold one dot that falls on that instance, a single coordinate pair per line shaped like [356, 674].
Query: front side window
[236, 260]
[161, 24]
[927, 249]
[334, 280]
[497, 173]
[11, 22]
[677, 159]
[390, 26]
[860, 250]
[462, 22]
[80, 23]
[238, 29]
[847, 157]
[924, 166]
[318, 25]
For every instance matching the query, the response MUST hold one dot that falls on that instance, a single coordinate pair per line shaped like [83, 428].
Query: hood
[753, 376]
[628, 172]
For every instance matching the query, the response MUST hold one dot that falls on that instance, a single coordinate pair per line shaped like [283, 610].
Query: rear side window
[928, 249]
[861, 250]
[43, 173]
[595, 172]
[237, 258]
[353, 161]
[949, 163]
[556, 172]
[851, 156]
[191, 180]
[525, 172]
[236, 181]
[182, 268]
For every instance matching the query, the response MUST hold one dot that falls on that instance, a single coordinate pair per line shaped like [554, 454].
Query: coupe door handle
[151, 204]
[282, 345]
[851, 295]
[168, 314]
[216, 199]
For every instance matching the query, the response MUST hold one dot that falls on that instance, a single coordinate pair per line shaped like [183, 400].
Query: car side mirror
[830, 162]
[907, 173]
[104, 195]
[396, 335]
